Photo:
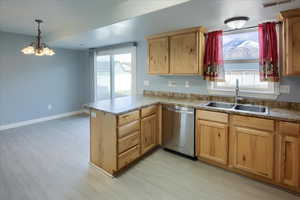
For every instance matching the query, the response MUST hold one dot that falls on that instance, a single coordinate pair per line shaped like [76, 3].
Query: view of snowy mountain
[240, 46]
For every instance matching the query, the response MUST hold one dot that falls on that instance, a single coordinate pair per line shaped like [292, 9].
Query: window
[241, 61]
[115, 73]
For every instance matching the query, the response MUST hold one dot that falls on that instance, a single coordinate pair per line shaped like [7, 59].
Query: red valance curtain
[268, 52]
[213, 59]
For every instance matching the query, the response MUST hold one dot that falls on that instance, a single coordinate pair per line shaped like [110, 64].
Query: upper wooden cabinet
[291, 42]
[158, 56]
[184, 54]
[177, 53]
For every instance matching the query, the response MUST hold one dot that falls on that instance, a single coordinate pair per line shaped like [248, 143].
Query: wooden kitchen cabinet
[184, 54]
[253, 145]
[212, 136]
[177, 53]
[212, 140]
[158, 56]
[291, 41]
[149, 131]
[289, 149]
[289, 168]
[254, 151]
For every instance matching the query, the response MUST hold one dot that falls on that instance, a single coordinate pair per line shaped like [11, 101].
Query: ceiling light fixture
[236, 22]
[37, 47]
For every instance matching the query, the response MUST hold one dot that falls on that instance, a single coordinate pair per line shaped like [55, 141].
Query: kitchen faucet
[237, 92]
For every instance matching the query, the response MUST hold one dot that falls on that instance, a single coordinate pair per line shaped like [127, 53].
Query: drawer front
[128, 156]
[254, 122]
[288, 128]
[128, 117]
[149, 110]
[212, 116]
[128, 129]
[129, 141]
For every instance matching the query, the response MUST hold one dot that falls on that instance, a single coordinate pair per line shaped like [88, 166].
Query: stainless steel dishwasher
[178, 129]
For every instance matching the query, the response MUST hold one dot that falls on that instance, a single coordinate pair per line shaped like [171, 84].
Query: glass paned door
[122, 74]
[115, 73]
[103, 77]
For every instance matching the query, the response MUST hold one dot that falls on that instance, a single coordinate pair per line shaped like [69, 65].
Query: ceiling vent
[276, 3]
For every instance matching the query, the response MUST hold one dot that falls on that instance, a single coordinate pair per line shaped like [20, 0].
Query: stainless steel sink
[238, 107]
[251, 108]
[220, 105]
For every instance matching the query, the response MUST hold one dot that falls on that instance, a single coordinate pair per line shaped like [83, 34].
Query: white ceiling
[208, 13]
[79, 24]
[64, 18]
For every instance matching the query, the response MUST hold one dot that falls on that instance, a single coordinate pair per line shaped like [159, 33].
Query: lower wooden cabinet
[118, 140]
[212, 139]
[289, 160]
[254, 151]
[149, 132]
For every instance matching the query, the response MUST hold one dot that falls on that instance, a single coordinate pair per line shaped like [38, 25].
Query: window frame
[273, 88]
[111, 53]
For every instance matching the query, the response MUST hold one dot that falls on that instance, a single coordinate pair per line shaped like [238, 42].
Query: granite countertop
[123, 105]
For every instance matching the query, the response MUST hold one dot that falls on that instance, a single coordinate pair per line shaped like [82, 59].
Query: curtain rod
[245, 28]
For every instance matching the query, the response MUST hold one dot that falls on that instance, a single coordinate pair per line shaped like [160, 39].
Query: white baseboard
[34, 121]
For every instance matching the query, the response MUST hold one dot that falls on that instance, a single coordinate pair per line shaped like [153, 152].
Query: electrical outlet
[50, 107]
[146, 82]
[187, 84]
[285, 89]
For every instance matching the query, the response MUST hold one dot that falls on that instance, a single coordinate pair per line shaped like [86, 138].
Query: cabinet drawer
[128, 117]
[253, 122]
[128, 142]
[212, 116]
[128, 156]
[288, 128]
[128, 128]
[149, 110]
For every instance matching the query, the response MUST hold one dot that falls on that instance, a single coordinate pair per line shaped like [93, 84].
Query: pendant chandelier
[37, 47]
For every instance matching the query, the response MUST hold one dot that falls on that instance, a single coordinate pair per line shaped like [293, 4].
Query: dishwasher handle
[184, 111]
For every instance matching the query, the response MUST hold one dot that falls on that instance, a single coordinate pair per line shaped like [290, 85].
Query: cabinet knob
[219, 135]
[244, 158]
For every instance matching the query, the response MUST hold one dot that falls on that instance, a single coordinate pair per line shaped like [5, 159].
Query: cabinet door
[212, 141]
[253, 151]
[184, 54]
[292, 28]
[290, 160]
[158, 56]
[149, 130]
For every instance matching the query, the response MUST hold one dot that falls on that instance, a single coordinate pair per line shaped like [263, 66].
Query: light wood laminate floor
[50, 161]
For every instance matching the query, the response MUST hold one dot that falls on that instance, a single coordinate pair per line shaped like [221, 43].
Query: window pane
[123, 74]
[246, 73]
[103, 77]
[240, 46]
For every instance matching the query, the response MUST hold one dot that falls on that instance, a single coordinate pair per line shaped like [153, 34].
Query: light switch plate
[285, 89]
[146, 82]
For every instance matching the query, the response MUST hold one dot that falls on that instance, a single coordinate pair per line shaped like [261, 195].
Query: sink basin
[251, 108]
[220, 105]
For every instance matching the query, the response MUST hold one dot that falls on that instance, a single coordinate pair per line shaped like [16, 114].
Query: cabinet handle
[244, 158]
[219, 135]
